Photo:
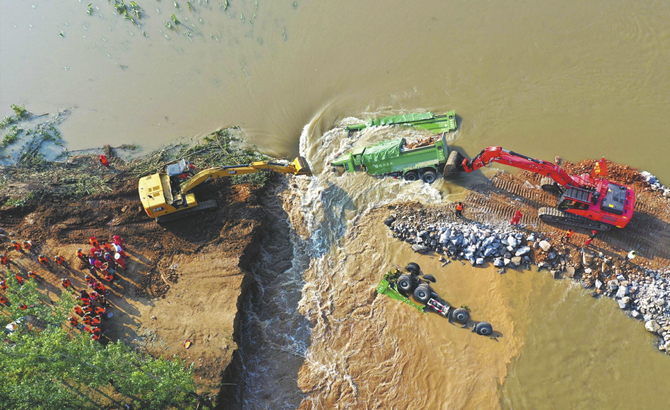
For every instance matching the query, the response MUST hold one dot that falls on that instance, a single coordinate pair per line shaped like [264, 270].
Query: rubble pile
[641, 292]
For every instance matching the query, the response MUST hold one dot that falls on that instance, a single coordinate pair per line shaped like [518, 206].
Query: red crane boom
[584, 201]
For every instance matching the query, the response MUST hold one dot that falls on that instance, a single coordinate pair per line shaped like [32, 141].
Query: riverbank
[641, 288]
[183, 281]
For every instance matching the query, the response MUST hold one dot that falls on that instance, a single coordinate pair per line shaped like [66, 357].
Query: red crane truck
[583, 200]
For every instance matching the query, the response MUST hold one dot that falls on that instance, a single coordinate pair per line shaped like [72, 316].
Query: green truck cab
[424, 159]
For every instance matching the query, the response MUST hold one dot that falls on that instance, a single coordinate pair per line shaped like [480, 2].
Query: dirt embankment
[183, 281]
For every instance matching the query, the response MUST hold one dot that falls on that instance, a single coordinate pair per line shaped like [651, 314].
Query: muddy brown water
[580, 80]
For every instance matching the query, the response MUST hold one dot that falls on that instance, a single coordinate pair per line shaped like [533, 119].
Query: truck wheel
[461, 316]
[429, 177]
[422, 293]
[406, 284]
[484, 328]
[411, 176]
[413, 268]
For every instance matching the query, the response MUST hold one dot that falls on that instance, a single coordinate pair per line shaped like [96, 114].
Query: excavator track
[554, 216]
[497, 199]
[202, 206]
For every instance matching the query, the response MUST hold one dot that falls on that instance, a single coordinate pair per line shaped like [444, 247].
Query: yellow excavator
[166, 195]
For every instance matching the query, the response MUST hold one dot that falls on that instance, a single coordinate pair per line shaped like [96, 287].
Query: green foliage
[220, 148]
[14, 202]
[44, 365]
[12, 136]
[21, 114]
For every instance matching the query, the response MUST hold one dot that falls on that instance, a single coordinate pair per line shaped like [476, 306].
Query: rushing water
[571, 78]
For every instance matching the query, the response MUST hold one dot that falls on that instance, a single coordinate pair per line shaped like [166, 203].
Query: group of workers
[102, 263]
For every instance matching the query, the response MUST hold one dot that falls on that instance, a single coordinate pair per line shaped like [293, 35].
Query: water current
[576, 79]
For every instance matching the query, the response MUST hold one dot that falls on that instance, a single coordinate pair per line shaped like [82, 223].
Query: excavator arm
[299, 166]
[503, 156]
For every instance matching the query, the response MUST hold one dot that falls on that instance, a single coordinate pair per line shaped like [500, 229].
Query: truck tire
[422, 293]
[429, 176]
[413, 268]
[484, 328]
[460, 316]
[411, 176]
[406, 284]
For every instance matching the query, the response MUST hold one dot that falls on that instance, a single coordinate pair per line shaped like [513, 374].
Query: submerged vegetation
[21, 114]
[33, 176]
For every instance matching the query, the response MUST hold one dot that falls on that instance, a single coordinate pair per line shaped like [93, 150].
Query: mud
[184, 279]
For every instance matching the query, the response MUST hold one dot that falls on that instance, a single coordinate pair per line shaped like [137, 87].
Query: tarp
[383, 151]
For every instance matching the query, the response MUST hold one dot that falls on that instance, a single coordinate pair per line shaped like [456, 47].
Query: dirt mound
[182, 281]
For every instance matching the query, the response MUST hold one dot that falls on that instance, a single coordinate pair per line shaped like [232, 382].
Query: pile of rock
[655, 184]
[648, 301]
[476, 243]
[642, 293]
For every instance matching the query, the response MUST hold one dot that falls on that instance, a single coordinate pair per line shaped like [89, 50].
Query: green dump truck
[423, 159]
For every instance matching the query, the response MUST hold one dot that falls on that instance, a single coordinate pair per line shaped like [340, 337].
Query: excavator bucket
[301, 166]
[454, 164]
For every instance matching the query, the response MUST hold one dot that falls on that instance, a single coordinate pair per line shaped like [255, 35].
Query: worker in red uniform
[98, 264]
[87, 320]
[43, 260]
[96, 330]
[88, 329]
[23, 306]
[78, 310]
[99, 310]
[103, 160]
[96, 320]
[3, 300]
[32, 274]
[517, 218]
[66, 283]
[109, 277]
[119, 250]
[100, 288]
[73, 321]
[95, 336]
[119, 260]
[19, 278]
[568, 235]
[59, 260]
[27, 245]
[459, 210]
[17, 245]
[117, 240]
[106, 247]
[3, 285]
[591, 237]
[94, 242]
[4, 260]
[93, 295]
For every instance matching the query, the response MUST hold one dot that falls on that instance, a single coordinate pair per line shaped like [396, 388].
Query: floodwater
[575, 79]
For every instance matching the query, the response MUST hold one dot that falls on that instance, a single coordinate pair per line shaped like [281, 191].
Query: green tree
[45, 364]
